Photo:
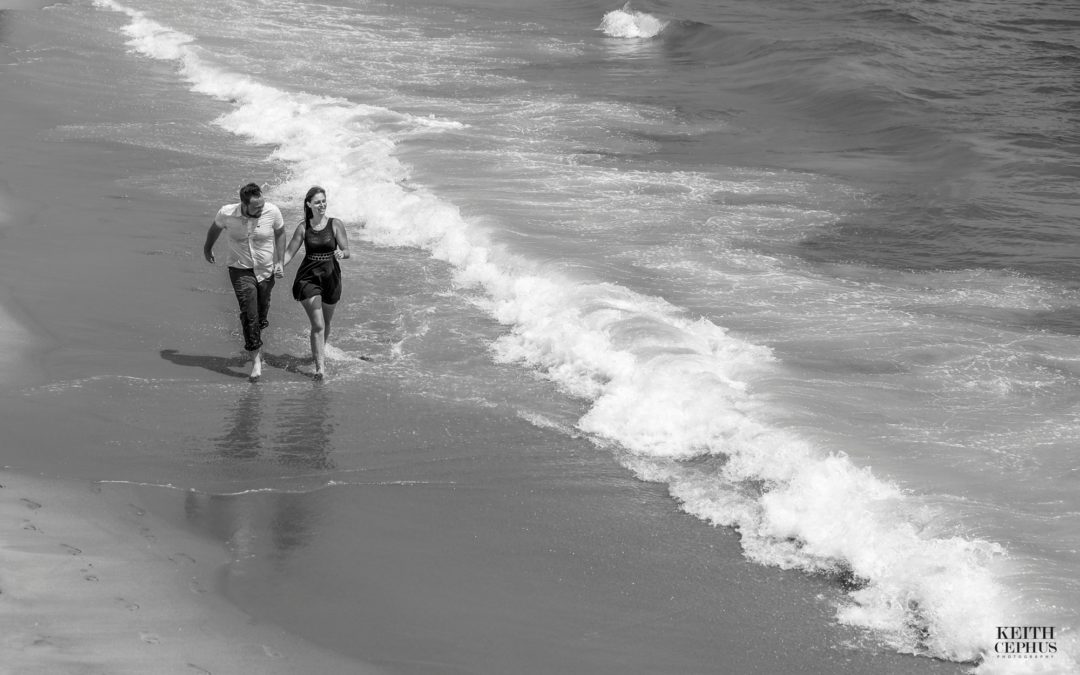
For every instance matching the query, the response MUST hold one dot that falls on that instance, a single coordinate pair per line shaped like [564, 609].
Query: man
[256, 235]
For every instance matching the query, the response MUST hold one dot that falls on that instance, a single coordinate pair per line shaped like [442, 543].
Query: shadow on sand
[225, 365]
[228, 365]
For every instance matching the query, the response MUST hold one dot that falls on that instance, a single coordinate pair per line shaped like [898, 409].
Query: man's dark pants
[254, 299]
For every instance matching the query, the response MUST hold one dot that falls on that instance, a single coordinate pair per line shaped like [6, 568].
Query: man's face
[254, 207]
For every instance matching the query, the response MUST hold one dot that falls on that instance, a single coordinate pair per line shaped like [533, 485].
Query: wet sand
[91, 582]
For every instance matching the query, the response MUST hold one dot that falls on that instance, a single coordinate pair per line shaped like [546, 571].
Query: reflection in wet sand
[242, 439]
[298, 435]
[304, 430]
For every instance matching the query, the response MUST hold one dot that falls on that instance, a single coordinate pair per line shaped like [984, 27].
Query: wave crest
[627, 23]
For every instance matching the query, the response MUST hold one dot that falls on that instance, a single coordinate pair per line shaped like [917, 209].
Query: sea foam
[673, 391]
[628, 23]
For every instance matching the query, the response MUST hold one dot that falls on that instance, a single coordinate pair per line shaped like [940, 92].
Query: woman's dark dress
[319, 272]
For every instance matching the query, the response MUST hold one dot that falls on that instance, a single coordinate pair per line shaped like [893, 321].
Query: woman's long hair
[315, 189]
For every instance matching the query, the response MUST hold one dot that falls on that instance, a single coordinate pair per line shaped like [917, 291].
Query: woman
[318, 281]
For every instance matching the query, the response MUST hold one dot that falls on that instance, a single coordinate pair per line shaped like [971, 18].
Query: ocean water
[809, 266]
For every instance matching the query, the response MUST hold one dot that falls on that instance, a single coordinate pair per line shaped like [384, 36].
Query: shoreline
[91, 581]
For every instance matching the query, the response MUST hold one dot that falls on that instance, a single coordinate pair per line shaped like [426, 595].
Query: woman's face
[318, 203]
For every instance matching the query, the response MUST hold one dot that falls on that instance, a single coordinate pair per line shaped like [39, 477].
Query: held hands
[279, 270]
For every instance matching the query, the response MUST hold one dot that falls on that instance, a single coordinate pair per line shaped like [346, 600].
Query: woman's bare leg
[314, 308]
[328, 314]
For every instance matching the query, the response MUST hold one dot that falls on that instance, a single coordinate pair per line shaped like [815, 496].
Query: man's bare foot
[256, 366]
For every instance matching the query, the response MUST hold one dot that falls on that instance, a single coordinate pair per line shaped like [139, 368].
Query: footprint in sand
[71, 549]
[199, 669]
[182, 557]
[43, 641]
[27, 525]
[91, 577]
[31, 504]
[136, 510]
[128, 605]
[150, 638]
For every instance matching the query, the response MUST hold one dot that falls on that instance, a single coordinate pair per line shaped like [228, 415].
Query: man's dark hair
[248, 191]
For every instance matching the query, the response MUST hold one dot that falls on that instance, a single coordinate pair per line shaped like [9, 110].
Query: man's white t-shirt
[251, 240]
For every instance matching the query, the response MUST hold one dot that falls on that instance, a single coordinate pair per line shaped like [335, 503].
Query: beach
[91, 581]
[463, 563]
[525, 458]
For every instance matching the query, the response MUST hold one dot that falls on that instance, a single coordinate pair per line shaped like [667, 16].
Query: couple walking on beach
[258, 256]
